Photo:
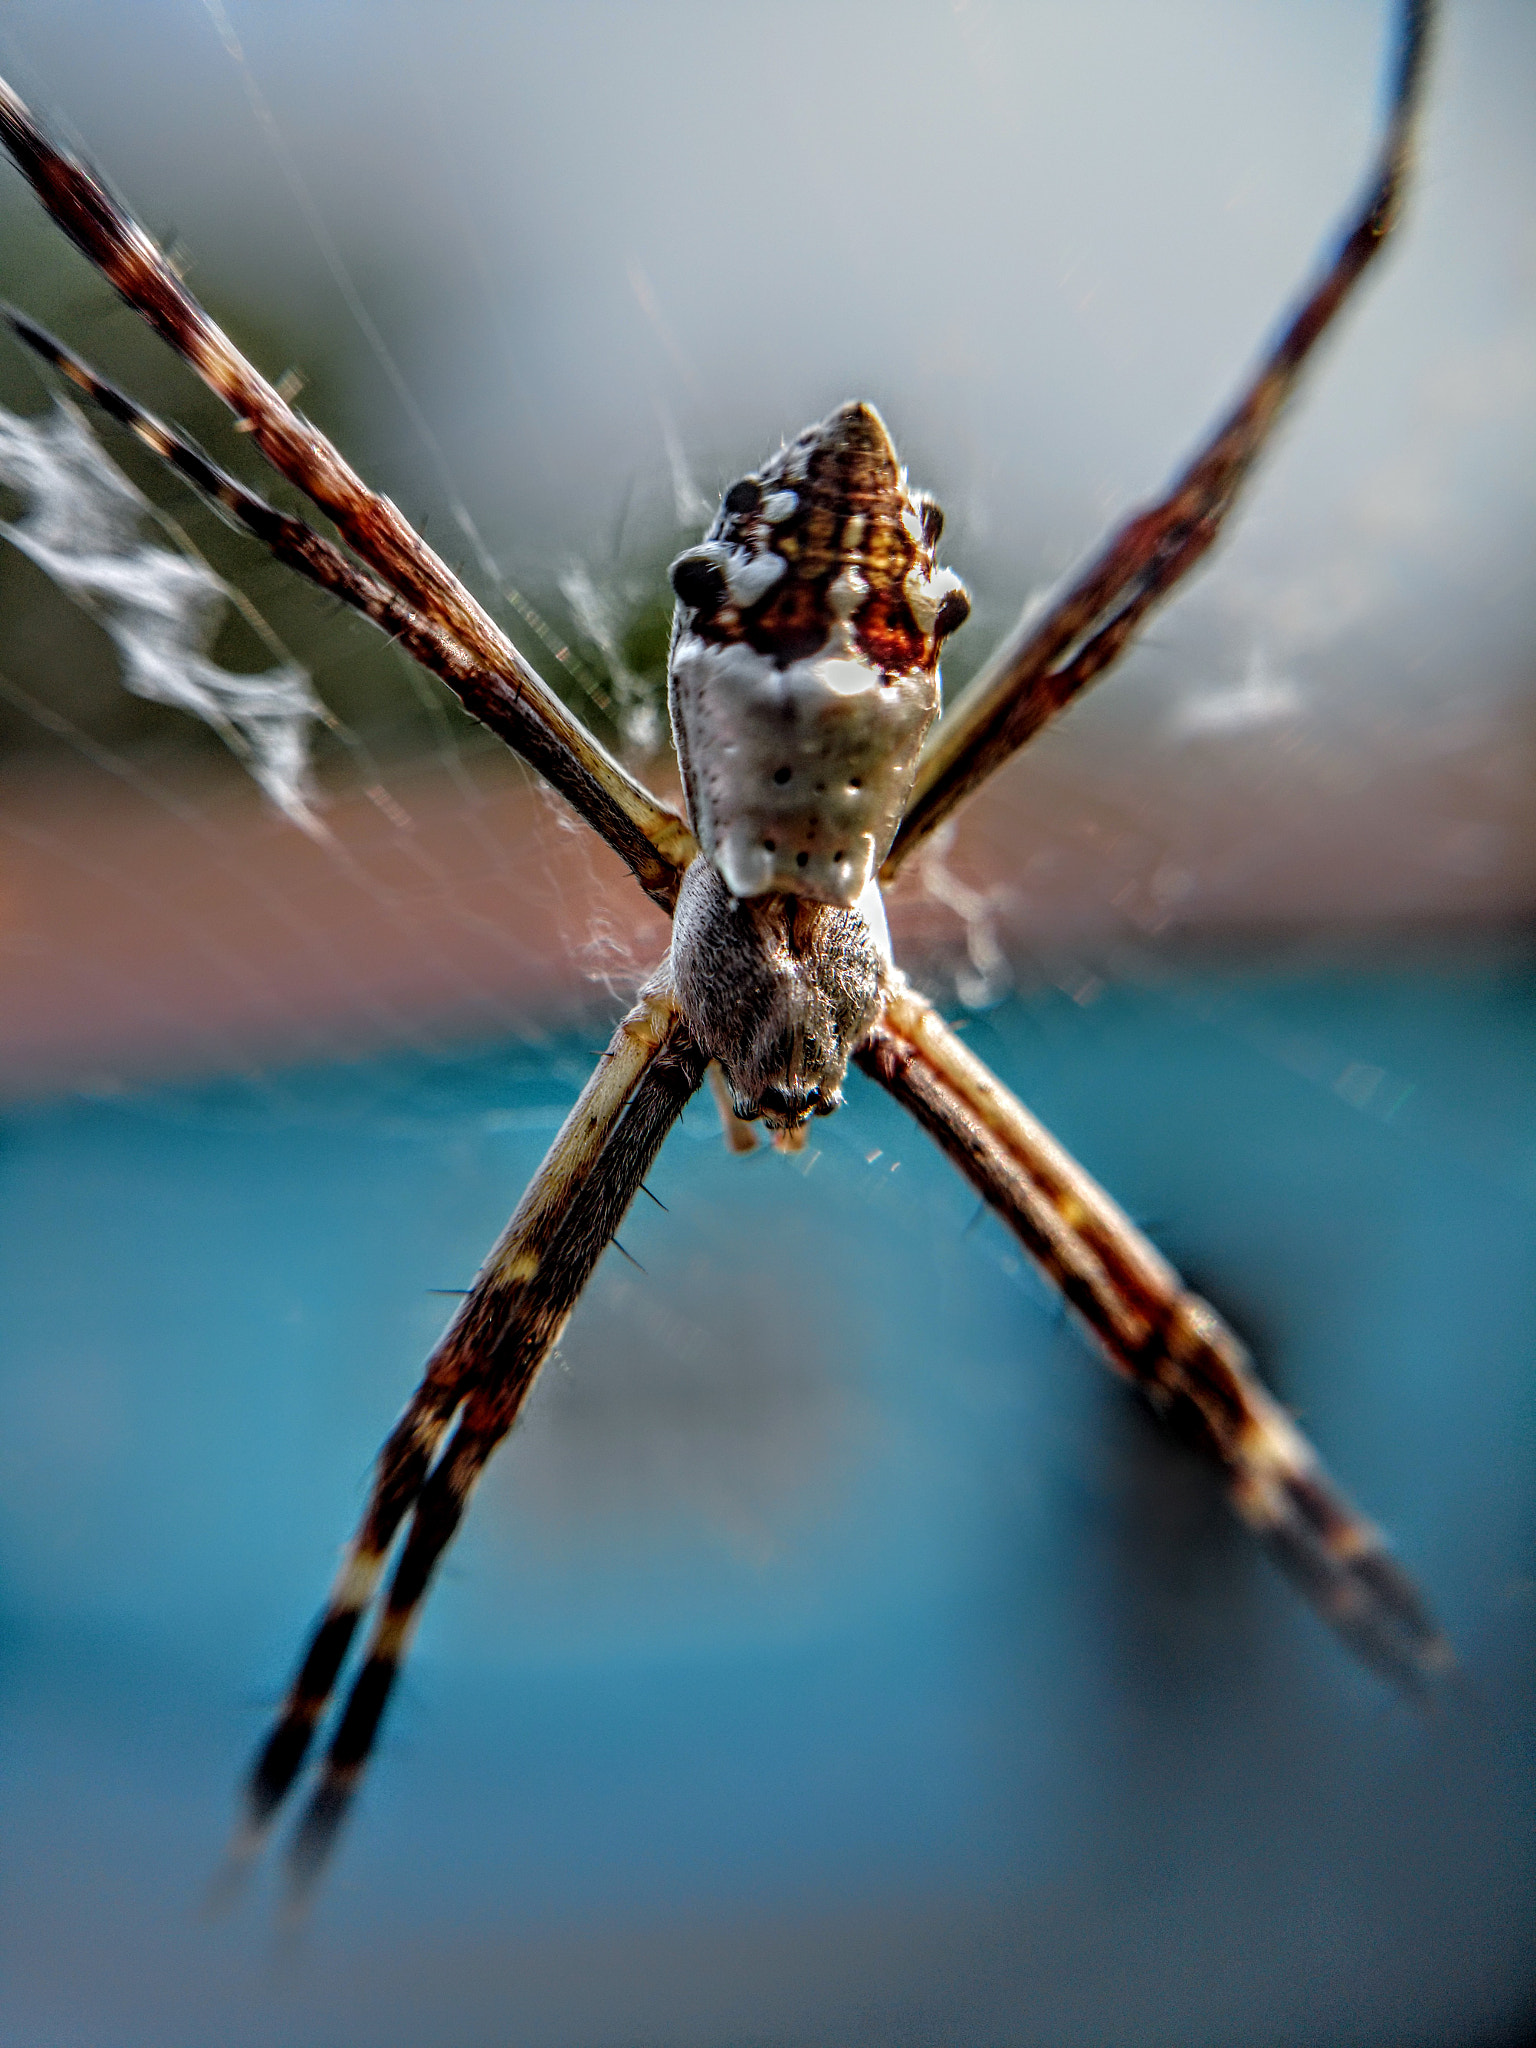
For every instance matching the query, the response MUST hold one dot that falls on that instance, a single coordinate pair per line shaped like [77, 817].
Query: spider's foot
[1343, 1564]
[315, 1840]
[282, 1757]
[331, 1800]
[283, 1753]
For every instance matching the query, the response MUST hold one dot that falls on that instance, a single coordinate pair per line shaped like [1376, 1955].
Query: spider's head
[805, 662]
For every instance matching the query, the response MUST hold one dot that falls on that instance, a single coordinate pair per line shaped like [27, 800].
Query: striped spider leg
[1166, 1341]
[480, 1373]
[1044, 663]
[494, 681]
[808, 631]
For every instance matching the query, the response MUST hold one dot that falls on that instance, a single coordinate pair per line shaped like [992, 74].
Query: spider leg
[508, 1308]
[488, 695]
[552, 1269]
[1167, 1341]
[1045, 662]
[652, 839]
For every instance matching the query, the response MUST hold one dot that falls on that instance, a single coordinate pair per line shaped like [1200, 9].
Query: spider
[804, 691]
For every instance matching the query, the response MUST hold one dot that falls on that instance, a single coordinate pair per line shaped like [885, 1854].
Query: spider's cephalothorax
[778, 989]
[804, 676]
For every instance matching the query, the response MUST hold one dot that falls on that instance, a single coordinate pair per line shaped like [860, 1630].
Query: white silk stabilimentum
[81, 527]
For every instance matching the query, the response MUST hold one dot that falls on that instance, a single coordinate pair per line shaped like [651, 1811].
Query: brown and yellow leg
[1043, 665]
[483, 1352]
[503, 1336]
[1166, 1340]
[435, 612]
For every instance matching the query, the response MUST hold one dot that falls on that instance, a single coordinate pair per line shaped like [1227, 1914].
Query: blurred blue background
[837, 1654]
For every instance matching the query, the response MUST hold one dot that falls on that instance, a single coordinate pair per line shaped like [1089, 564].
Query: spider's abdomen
[804, 670]
[778, 989]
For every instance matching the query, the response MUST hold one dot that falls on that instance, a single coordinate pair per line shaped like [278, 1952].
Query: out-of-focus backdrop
[832, 1656]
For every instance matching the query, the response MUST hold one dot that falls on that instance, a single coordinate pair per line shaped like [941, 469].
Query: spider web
[82, 528]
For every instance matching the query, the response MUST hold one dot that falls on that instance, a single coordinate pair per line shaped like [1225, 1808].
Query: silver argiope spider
[809, 628]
